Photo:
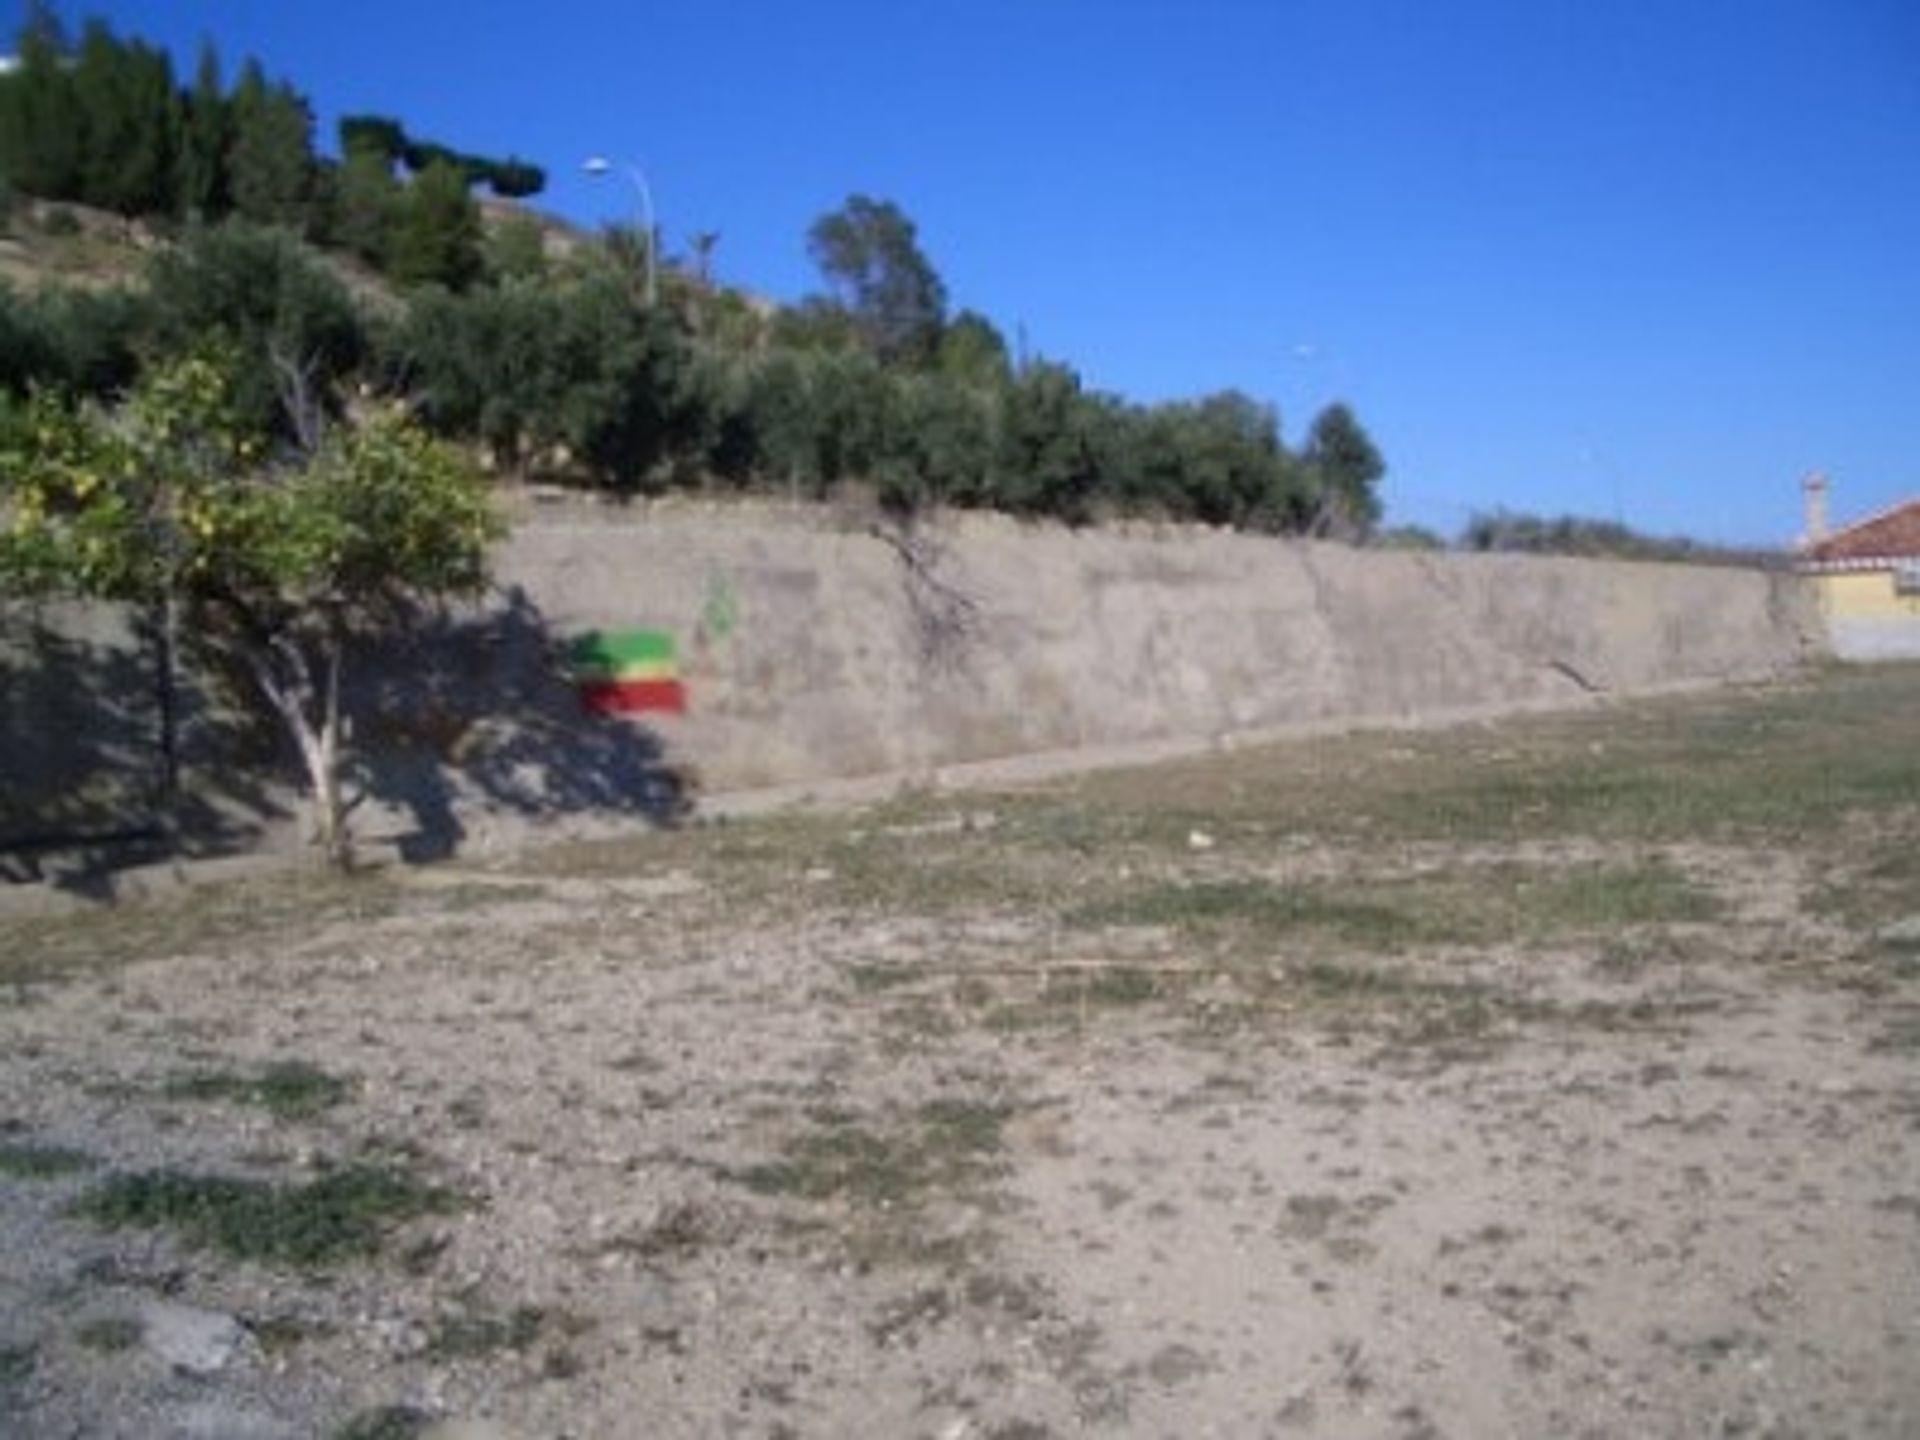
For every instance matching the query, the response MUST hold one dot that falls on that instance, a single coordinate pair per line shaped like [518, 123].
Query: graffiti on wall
[721, 610]
[628, 672]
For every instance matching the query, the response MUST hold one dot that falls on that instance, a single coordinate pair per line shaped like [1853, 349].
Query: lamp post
[599, 165]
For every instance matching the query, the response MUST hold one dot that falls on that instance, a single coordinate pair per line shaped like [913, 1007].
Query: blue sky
[1645, 258]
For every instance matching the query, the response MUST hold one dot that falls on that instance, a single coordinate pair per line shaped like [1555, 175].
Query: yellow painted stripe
[644, 670]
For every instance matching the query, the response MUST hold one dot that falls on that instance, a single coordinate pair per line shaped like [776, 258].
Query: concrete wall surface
[812, 647]
[812, 644]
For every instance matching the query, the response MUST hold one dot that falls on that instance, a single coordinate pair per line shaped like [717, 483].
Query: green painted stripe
[615, 650]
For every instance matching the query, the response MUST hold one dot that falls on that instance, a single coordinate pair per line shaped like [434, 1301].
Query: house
[1866, 576]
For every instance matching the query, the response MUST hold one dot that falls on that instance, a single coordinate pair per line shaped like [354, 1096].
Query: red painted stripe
[633, 697]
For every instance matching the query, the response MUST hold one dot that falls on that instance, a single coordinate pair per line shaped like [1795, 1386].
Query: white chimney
[1815, 489]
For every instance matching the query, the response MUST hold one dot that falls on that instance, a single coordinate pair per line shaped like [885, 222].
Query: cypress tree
[205, 134]
[270, 151]
[129, 113]
[39, 112]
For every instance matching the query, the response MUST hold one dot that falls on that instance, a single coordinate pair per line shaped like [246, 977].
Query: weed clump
[950, 1143]
[289, 1090]
[26, 1160]
[339, 1215]
[109, 1335]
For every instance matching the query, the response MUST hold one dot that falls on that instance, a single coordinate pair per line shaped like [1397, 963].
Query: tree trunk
[296, 699]
[323, 765]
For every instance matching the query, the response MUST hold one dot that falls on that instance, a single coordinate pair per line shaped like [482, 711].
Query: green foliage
[257, 294]
[205, 137]
[1507, 530]
[778, 419]
[40, 135]
[815, 324]
[1218, 460]
[376, 135]
[73, 341]
[489, 364]
[973, 352]
[129, 114]
[436, 236]
[514, 179]
[1047, 461]
[942, 444]
[869, 254]
[1408, 537]
[272, 568]
[515, 249]
[527, 367]
[576, 365]
[366, 206]
[420, 156]
[1344, 468]
[270, 163]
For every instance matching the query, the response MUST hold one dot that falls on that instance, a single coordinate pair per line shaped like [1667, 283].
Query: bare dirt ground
[1554, 1078]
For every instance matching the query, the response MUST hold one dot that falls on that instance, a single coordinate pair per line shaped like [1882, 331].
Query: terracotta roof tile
[1892, 534]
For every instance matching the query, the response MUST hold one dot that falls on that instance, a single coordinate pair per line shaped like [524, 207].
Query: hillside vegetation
[605, 362]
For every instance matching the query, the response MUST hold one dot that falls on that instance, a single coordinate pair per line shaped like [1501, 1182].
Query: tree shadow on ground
[476, 713]
[90, 782]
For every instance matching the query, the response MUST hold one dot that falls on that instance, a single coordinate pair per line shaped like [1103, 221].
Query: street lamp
[599, 165]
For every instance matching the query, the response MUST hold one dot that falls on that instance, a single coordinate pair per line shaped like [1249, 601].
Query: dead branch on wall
[945, 617]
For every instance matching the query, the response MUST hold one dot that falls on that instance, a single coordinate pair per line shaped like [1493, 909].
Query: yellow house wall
[1865, 595]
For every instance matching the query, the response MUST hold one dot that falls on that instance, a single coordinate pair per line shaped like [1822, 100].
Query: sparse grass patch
[947, 1144]
[838, 1160]
[1899, 1034]
[929, 875]
[1873, 886]
[1482, 904]
[473, 1337]
[961, 1128]
[1782, 763]
[339, 1215]
[682, 1230]
[27, 1160]
[386, 1422]
[278, 1334]
[17, 1364]
[290, 1090]
[226, 920]
[1602, 898]
[1255, 907]
[110, 1334]
[874, 978]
